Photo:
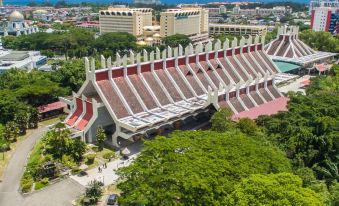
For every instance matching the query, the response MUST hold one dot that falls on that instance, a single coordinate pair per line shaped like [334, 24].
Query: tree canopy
[196, 168]
[176, 39]
[280, 189]
[308, 132]
[322, 41]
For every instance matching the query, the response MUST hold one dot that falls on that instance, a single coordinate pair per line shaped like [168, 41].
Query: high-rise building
[192, 22]
[325, 19]
[125, 20]
[322, 3]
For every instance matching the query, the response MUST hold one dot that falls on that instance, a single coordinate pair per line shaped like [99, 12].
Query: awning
[51, 107]
[285, 66]
[269, 108]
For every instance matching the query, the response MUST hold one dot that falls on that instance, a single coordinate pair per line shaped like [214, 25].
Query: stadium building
[174, 88]
[287, 47]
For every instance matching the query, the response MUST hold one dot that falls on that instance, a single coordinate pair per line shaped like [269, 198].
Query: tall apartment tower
[1, 3]
[325, 19]
[188, 21]
[125, 20]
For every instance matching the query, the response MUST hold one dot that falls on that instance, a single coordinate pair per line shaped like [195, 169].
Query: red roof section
[51, 107]
[321, 67]
[306, 82]
[269, 108]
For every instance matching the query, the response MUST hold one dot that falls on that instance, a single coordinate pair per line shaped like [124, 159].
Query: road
[59, 194]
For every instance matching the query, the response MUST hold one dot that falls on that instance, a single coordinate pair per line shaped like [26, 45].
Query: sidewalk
[295, 86]
[107, 175]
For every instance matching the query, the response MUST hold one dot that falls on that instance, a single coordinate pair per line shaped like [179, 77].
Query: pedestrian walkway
[295, 86]
[107, 175]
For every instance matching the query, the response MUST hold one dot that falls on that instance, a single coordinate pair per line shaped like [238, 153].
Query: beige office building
[237, 30]
[125, 20]
[192, 22]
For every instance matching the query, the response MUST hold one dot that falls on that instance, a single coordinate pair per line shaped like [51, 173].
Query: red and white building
[324, 19]
[174, 87]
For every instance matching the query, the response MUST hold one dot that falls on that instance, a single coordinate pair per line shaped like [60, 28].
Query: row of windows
[118, 13]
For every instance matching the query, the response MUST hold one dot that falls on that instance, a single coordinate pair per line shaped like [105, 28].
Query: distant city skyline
[25, 2]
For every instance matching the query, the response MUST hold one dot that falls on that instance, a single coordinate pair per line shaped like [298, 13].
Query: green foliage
[26, 183]
[109, 155]
[90, 159]
[322, 41]
[93, 192]
[111, 43]
[221, 120]
[223, 37]
[58, 143]
[41, 184]
[273, 189]
[309, 131]
[100, 136]
[176, 39]
[196, 168]
[22, 92]
[71, 75]
[77, 42]
[11, 131]
[247, 126]
[334, 190]
[306, 174]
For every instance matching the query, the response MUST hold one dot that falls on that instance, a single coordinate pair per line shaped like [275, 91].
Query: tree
[101, 136]
[273, 189]
[322, 41]
[308, 132]
[221, 120]
[77, 149]
[93, 192]
[11, 131]
[111, 43]
[71, 75]
[195, 168]
[247, 126]
[33, 118]
[57, 141]
[176, 39]
[21, 119]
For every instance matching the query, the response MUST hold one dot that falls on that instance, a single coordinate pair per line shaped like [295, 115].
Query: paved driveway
[59, 194]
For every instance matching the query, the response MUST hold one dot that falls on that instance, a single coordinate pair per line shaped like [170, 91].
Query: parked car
[112, 200]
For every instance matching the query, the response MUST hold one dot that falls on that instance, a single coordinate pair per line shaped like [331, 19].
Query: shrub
[5, 147]
[108, 155]
[75, 170]
[95, 148]
[44, 181]
[27, 187]
[26, 183]
[90, 159]
[41, 184]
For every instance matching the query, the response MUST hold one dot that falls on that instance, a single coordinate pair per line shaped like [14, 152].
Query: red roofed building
[51, 110]
[174, 87]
